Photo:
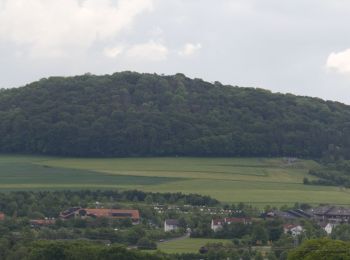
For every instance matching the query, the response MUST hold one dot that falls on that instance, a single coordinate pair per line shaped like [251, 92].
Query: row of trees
[313, 250]
[331, 174]
[53, 250]
[132, 114]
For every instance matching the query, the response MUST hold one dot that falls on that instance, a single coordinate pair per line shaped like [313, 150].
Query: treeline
[49, 250]
[51, 203]
[331, 174]
[53, 250]
[315, 249]
[132, 114]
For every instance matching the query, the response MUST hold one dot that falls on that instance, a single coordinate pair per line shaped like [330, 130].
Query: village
[326, 217]
[188, 223]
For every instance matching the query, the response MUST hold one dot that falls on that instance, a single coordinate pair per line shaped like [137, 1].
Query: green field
[188, 245]
[254, 180]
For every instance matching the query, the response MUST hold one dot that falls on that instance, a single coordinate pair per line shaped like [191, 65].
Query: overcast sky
[294, 46]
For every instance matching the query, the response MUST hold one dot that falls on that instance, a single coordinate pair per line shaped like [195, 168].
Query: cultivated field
[256, 180]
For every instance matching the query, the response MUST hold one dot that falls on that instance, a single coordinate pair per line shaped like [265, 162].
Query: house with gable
[171, 225]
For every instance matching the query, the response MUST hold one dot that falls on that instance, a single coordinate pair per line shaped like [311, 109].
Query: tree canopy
[321, 249]
[132, 114]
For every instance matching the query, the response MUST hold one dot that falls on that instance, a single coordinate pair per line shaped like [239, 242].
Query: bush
[146, 244]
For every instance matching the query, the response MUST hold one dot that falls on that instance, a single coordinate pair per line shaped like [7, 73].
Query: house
[171, 224]
[217, 224]
[77, 212]
[2, 216]
[328, 227]
[41, 222]
[294, 230]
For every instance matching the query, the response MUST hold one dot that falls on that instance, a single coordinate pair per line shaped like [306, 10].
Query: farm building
[332, 214]
[171, 224]
[217, 224]
[41, 222]
[77, 212]
[288, 214]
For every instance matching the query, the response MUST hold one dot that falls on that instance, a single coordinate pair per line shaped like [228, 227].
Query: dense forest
[132, 114]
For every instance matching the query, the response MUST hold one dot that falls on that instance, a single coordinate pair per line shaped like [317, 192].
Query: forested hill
[132, 114]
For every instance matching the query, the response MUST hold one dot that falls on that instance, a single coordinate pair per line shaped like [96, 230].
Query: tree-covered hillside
[132, 114]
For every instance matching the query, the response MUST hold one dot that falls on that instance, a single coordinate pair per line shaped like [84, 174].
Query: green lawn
[252, 180]
[188, 245]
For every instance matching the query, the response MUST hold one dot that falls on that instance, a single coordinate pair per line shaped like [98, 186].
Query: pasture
[258, 181]
[188, 245]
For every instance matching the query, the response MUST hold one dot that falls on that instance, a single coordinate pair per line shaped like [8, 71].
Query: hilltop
[133, 114]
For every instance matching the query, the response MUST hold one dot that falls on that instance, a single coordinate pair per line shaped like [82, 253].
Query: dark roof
[339, 211]
[285, 214]
[69, 212]
[320, 210]
[328, 211]
[172, 222]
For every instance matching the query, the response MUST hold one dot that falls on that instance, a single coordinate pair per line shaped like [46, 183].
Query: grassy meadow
[188, 245]
[252, 180]
[192, 245]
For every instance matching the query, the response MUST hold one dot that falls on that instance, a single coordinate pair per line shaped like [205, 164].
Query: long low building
[334, 214]
[42, 222]
[77, 212]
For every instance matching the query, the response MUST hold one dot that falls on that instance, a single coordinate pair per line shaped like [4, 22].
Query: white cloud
[53, 28]
[112, 52]
[189, 49]
[339, 62]
[240, 7]
[149, 51]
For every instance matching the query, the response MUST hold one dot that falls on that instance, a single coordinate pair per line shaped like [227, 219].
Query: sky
[291, 46]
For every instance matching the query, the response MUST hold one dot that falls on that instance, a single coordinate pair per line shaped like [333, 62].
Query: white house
[294, 230]
[171, 224]
[329, 228]
[216, 224]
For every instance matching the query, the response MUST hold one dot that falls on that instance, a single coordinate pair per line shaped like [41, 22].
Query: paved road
[187, 235]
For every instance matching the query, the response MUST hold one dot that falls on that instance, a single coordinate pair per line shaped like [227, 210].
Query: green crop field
[258, 181]
[188, 245]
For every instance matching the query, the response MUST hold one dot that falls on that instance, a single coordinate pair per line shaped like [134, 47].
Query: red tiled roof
[110, 213]
[289, 226]
[237, 220]
[114, 213]
[42, 222]
[2, 216]
[218, 222]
